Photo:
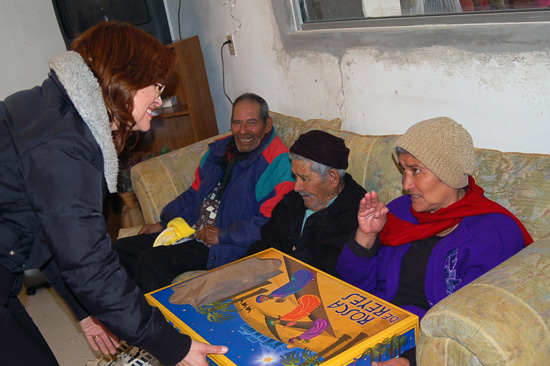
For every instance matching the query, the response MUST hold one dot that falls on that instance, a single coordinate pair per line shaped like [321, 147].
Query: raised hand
[372, 217]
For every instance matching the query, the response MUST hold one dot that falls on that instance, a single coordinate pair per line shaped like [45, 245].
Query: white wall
[494, 79]
[29, 37]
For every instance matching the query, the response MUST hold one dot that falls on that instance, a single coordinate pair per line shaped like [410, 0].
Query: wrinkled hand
[209, 235]
[197, 354]
[98, 336]
[393, 362]
[372, 217]
[151, 228]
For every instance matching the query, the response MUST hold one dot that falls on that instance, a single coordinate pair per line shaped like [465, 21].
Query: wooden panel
[193, 88]
[173, 132]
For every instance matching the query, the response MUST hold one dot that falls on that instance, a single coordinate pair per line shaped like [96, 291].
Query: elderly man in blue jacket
[237, 183]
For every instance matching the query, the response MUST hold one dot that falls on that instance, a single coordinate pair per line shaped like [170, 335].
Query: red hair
[124, 59]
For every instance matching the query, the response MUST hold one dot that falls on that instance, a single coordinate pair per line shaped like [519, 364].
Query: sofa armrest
[502, 318]
[128, 231]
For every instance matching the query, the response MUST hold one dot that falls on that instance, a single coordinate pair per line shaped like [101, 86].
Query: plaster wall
[29, 37]
[492, 78]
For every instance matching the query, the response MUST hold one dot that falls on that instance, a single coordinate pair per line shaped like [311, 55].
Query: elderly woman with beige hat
[438, 237]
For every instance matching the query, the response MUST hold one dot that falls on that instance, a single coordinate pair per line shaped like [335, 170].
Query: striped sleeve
[276, 180]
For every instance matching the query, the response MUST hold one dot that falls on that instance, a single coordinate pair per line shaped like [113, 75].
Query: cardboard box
[271, 309]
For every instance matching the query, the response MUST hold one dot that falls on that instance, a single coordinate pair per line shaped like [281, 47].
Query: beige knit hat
[444, 147]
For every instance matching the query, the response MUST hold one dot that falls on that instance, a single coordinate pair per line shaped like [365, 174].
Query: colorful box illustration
[271, 309]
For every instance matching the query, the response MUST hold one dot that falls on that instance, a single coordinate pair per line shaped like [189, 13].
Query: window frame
[466, 18]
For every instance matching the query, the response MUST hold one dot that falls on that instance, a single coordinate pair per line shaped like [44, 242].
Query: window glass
[315, 11]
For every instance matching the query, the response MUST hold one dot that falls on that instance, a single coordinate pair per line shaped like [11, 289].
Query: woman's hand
[372, 217]
[151, 228]
[393, 362]
[197, 354]
[98, 336]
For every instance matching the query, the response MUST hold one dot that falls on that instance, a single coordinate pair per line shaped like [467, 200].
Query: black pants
[21, 343]
[153, 268]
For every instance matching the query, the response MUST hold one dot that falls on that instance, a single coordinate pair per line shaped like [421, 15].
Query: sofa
[502, 318]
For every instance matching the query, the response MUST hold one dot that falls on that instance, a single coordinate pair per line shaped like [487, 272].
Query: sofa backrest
[519, 182]
[290, 128]
[371, 163]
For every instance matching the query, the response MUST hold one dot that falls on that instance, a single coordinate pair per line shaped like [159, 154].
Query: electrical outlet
[232, 49]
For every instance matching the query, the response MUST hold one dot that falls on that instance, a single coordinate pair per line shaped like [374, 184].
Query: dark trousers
[156, 267]
[21, 343]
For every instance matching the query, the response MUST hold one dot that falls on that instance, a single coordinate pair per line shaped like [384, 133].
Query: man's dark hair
[251, 97]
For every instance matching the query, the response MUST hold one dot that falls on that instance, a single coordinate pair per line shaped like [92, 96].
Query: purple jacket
[478, 244]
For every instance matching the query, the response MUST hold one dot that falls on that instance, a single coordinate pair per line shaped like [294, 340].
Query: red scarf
[397, 232]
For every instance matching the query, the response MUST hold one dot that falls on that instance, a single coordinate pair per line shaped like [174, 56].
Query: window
[330, 14]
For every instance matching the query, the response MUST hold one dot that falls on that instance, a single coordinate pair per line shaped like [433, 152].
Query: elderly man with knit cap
[437, 238]
[312, 222]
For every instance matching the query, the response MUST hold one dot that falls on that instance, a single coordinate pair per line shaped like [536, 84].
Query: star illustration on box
[271, 309]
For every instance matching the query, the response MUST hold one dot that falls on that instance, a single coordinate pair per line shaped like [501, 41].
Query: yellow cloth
[177, 229]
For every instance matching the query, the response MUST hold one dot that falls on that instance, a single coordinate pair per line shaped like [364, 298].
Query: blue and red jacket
[257, 184]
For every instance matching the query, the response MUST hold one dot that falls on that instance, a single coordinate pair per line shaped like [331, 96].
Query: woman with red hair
[58, 153]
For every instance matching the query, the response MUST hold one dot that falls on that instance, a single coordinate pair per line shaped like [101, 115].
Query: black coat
[325, 232]
[52, 186]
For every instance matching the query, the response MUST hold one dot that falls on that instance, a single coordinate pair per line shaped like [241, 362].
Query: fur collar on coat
[85, 93]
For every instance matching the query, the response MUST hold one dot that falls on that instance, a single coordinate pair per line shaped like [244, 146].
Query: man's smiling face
[247, 126]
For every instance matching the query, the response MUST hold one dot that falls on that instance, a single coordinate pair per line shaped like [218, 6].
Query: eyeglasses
[160, 89]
